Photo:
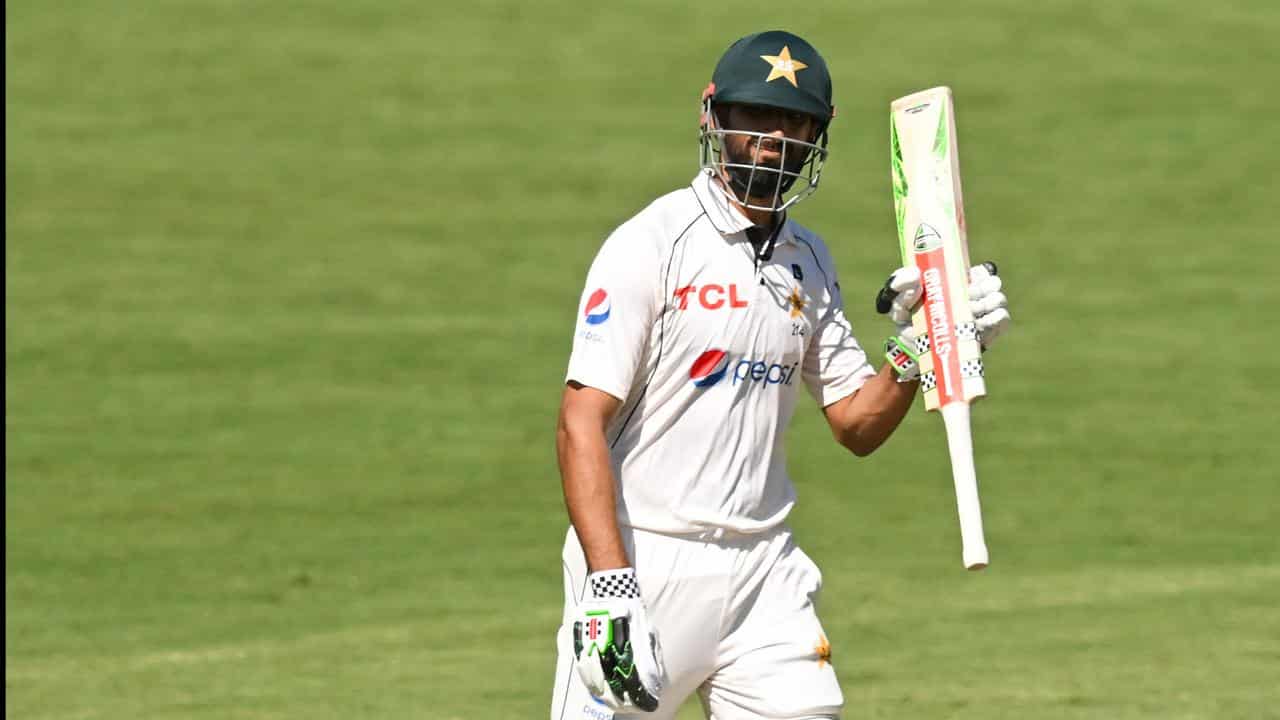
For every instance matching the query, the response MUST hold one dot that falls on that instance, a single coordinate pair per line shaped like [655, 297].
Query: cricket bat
[931, 232]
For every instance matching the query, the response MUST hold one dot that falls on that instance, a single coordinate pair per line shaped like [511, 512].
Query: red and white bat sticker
[939, 316]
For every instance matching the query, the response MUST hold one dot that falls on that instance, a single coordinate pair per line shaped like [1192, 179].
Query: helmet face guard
[755, 185]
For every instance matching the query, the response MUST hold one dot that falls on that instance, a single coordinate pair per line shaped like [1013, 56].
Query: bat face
[931, 234]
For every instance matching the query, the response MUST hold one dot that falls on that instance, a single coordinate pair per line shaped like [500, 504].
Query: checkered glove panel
[619, 583]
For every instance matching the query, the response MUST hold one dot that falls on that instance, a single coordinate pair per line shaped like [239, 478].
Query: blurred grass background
[290, 287]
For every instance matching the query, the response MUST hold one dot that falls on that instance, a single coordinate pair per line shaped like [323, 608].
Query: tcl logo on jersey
[598, 307]
[710, 296]
[713, 365]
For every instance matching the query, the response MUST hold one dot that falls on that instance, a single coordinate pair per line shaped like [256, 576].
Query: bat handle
[955, 416]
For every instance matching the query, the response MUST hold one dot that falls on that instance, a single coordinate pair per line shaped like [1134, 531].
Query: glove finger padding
[982, 269]
[589, 666]
[621, 665]
[988, 304]
[992, 325]
[647, 651]
[900, 295]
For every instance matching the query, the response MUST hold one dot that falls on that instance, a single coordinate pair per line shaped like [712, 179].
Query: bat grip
[955, 416]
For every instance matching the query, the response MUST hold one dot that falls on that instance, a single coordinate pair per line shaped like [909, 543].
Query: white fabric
[699, 445]
[738, 622]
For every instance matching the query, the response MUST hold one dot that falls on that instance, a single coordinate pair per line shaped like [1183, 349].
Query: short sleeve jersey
[706, 346]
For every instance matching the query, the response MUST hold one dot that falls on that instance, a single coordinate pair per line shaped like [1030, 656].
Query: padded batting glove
[618, 655]
[989, 305]
[901, 296]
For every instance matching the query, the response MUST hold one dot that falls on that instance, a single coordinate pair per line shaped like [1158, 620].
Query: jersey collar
[726, 218]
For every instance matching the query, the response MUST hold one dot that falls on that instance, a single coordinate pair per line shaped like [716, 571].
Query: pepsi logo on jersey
[598, 307]
[709, 368]
[713, 365]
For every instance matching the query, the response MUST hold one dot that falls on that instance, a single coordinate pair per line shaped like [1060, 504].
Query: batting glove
[618, 655]
[901, 295]
[990, 307]
[897, 299]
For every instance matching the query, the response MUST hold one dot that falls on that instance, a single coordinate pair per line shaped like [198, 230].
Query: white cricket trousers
[736, 620]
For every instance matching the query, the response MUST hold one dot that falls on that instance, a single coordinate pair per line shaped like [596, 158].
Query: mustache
[768, 153]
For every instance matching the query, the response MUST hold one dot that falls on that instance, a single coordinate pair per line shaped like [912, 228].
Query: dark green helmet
[777, 69]
[773, 69]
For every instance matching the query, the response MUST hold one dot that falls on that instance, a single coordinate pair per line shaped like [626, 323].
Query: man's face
[774, 122]
[765, 151]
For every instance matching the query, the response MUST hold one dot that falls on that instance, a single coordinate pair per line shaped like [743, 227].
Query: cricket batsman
[701, 318]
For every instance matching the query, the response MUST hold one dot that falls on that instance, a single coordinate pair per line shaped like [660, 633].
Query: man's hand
[990, 307]
[902, 294]
[618, 655]
[898, 298]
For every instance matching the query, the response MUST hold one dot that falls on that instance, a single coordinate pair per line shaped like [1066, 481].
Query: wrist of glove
[902, 351]
[901, 296]
[618, 655]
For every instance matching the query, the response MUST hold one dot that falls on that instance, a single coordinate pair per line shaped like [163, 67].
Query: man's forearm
[589, 496]
[864, 420]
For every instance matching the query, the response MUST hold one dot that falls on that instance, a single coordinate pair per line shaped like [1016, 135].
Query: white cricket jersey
[707, 347]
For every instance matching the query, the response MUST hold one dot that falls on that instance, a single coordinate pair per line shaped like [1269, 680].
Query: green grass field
[290, 289]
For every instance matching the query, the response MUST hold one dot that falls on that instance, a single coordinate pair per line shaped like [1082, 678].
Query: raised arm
[864, 420]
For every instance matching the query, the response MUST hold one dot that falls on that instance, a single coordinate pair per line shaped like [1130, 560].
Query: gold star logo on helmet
[783, 66]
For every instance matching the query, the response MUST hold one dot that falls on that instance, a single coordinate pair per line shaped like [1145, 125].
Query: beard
[763, 178]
